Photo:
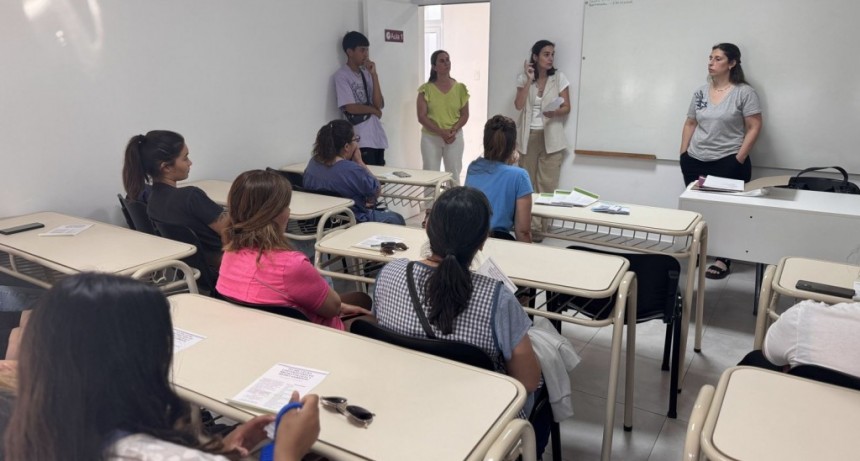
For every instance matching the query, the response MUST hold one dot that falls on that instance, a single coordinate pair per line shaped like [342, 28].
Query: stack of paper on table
[575, 197]
[609, 208]
[375, 242]
[713, 183]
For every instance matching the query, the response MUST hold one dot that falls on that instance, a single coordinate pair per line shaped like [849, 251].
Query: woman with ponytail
[337, 167]
[260, 267]
[506, 185]
[459, 305]
[160, 158]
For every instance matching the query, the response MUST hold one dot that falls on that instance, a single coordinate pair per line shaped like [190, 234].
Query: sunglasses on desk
[353, 413]
[388, 248]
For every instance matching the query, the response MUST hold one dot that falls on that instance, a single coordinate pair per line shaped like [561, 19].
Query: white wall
[247, 84]
[514, 27]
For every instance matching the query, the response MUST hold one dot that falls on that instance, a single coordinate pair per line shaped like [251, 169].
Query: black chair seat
[137, 216]
[826, 375]
[278, 309]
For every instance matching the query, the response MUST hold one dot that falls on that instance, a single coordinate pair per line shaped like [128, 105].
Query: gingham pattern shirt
[394, 310]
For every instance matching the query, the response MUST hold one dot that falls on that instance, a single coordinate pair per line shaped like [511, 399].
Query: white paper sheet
[183, 339]
[272, 391]
[490, 269]
[66, 231]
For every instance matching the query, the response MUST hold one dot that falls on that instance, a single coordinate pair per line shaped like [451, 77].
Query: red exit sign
[393, 35]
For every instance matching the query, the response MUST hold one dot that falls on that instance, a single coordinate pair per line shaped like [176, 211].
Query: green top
[444, 108]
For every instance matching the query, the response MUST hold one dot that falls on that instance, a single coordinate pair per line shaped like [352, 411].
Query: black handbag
[355, 119]
[820, 184]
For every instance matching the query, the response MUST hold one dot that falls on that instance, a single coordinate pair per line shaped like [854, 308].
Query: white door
[398, 65]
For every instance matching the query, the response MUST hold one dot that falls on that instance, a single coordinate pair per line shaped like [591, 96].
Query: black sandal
[716, 272]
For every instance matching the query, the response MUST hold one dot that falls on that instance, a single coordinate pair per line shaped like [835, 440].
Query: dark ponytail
[500, 138]
[733, 53]
[459, 224]
[433, 75]
[331, 138]
[144, 157]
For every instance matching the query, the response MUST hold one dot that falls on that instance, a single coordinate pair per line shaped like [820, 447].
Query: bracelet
[286, 408]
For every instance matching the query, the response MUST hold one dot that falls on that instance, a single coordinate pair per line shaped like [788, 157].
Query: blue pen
[268, 452]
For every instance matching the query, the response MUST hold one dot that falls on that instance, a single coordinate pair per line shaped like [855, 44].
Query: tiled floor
[728, 335]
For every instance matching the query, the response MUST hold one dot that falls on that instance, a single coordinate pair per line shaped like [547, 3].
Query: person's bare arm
[752, 126]
[424, 120]
[523, 219]
[687, 134]
[331, 307]
[524, 366]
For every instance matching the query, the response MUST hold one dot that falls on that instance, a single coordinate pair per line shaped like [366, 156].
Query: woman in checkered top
[454, 303]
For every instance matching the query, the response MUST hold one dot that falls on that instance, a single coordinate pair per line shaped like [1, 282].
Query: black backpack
[820, 184]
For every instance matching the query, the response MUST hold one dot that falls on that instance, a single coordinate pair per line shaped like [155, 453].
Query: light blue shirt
[502, 184]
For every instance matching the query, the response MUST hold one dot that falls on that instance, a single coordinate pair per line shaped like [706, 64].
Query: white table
[570, 272]
[786, 222]
[400, 191]
[677, 233]
[758, 414]
[427, 408]
[781, 280]
[103, 248]
[306, 210]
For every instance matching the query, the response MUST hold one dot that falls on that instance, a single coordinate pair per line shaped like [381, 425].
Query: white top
[426, 408]
[814, 333]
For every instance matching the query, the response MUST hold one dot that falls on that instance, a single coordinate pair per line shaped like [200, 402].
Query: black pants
[373, 156]
[726, 167]
[757, 359]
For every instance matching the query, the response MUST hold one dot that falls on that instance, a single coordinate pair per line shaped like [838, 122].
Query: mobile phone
[824, 289]
[401, 174]
[21, 228]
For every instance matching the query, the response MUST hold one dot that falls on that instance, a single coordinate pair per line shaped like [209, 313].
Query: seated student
[460, 305]
[505, 184]
[812, 333]
[94, 383]
[336, 166]
[161, 157]
[260, 267]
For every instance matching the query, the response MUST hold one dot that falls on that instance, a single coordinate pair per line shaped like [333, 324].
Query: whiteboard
[642, 61]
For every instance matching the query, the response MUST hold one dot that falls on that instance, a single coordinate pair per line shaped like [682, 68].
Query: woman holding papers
[337, 167]
[506, 186]
[161, 158]
[94, 384]
[260, 266]
[723, 123]
[543, 99]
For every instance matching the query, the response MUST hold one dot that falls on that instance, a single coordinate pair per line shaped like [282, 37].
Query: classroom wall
[248, 85]
[514, 26]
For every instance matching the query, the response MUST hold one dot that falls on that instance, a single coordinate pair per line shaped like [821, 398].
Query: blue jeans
[388, 217]
[15, 299]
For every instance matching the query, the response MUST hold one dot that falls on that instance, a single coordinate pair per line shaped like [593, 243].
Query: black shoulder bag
[355, 119]
[820, 184]
[419, 311]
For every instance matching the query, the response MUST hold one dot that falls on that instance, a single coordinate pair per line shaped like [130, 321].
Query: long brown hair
[144, 157]
[256, 198]
[95, 364]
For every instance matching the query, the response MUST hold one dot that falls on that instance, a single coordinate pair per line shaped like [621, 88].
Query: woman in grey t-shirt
[723, 123]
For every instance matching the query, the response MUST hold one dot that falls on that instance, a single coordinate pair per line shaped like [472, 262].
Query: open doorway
[463, 30]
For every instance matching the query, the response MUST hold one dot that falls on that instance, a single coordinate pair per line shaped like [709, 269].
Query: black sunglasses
[353, 413]
[388, 248]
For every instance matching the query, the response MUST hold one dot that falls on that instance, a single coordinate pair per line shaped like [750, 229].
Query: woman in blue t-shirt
[506, 185]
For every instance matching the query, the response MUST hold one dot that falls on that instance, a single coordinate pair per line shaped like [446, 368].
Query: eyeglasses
[388, 248]
[353, 413]
[356, 138]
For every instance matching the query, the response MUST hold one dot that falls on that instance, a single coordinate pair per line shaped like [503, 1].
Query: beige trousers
[544, 169]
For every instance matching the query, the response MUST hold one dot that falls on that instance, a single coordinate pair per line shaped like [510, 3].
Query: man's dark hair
[354, 39]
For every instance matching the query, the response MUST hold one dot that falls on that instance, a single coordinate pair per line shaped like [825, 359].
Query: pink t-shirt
[282, 277]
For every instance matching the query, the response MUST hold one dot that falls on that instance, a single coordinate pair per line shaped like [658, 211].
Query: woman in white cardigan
[540, 89]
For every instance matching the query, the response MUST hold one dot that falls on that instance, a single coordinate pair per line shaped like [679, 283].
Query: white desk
[677, 233]
[102, 247]
[427, 408]
[396, 190]
[304, 207]
[759, 414]
[781, 280]
[570, 272]
[819, 225]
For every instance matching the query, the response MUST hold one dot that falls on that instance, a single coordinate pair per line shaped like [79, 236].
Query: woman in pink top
[260, 267]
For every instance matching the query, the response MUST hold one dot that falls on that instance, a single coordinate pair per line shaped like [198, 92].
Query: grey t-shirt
[720, 130]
